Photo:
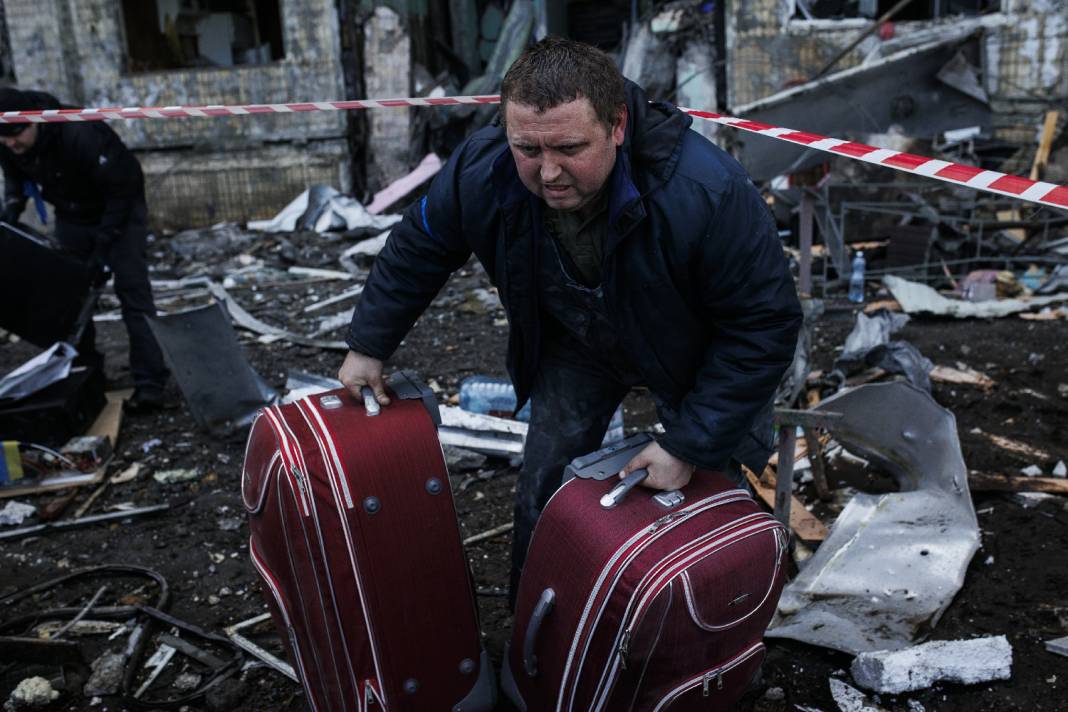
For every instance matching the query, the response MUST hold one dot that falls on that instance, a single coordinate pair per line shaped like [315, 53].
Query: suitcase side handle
[545, 605]
[370, 403]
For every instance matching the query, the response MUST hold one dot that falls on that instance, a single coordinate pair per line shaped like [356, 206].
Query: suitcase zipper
[708, 678]
[705, 680]
[632, 547]
[642, 592]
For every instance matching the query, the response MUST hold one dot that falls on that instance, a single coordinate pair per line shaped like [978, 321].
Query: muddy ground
[1017, 583]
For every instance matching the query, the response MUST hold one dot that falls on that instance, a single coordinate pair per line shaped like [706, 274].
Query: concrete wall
[228, 168]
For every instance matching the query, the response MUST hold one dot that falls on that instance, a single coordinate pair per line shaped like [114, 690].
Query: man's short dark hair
[556, 71]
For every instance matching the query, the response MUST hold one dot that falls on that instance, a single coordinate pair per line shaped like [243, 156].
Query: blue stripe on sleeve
[426, 225]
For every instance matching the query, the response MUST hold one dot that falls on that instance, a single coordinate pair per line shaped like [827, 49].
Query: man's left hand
[666, 472]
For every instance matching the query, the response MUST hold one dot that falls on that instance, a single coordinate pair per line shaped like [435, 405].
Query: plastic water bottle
[496, 396]
[490, 396]
[856, 279]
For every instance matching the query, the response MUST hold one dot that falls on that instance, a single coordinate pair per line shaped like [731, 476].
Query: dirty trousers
[126, 259]
[572, 401]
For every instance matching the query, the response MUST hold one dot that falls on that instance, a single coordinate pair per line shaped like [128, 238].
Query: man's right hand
[359, 370]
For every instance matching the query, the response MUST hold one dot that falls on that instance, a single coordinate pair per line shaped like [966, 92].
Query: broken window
[916, 10]
[180, 34]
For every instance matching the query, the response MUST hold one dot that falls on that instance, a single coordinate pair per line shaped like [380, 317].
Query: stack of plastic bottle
[495, 396]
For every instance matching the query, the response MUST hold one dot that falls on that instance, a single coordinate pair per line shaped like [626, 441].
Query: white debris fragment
[128, 475]
[850, 699]
[1032, 471]
[16, 513]
[1058, 646]
[961, 661]
[168, 477]
[1027, 500]
[1060, 469]
[32, 693]
[916, 706]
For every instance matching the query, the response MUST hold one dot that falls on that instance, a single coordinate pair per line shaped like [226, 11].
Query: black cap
[12, 99]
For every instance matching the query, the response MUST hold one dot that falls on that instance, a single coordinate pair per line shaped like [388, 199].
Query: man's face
[564, 154]
[22, 141]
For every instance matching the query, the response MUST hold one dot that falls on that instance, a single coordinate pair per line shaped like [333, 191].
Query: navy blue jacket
[694, 274]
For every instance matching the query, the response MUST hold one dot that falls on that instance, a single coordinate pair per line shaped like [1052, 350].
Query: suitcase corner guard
[483, 696]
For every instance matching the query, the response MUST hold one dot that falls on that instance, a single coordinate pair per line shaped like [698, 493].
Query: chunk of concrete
[31, 694]
[107, 675]
[966, 662]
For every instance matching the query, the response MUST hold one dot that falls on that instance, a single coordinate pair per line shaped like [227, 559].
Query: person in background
[97, 189]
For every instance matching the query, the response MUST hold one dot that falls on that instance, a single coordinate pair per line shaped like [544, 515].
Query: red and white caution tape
[969, 176]
[181, 112]
[1039, 192]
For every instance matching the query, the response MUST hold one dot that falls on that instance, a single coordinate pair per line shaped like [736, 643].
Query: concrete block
[966, 662]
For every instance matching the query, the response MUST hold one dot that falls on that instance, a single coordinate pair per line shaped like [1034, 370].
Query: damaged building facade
[204, 171]
[174, 52]
[1022, 53]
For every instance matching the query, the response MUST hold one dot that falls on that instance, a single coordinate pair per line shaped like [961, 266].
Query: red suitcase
[659, 603]
[354, 534]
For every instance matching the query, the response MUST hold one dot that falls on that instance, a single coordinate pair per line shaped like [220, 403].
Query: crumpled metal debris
[322, 208]
[916, 298]
[225, 396]
[869, 345]
[39, 372]
[892, 562]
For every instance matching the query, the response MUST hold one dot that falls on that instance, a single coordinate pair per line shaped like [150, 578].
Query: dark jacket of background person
[83, 168]
[693, 274]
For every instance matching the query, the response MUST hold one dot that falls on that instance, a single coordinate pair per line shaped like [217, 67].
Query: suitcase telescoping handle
[541, 610]
[616, 495]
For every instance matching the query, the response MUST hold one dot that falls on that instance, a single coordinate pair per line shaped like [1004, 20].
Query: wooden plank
[806, 526]
[1045, 144]
[1028, 453]
[888, 304]
[58, 481]
[110, 418]
[961, 376]
[986, 482]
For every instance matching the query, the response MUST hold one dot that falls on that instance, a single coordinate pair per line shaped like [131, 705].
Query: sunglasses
[13, 129]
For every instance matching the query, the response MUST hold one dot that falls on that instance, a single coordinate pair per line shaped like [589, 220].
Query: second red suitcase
[659, 603]
[354, 534]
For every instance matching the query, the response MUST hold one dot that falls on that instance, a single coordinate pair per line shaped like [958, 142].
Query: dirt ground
[1017, 584]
